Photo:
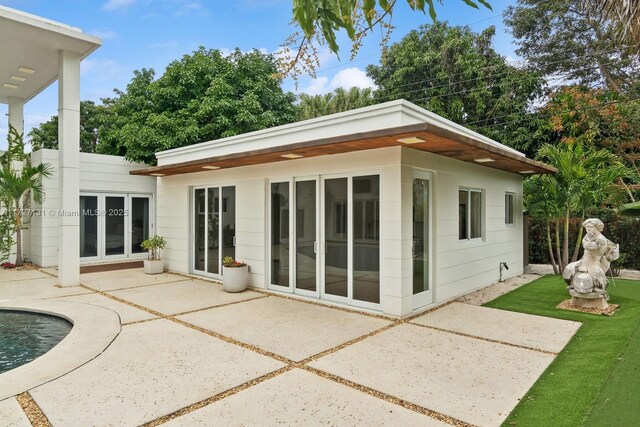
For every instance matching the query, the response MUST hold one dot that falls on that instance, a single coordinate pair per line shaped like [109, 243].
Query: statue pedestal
[590, 300]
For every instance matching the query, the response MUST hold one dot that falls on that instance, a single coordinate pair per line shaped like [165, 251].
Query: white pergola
[34, 53]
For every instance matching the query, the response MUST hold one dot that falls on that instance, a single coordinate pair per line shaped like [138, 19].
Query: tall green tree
[565, 41]
[595, 118]
[203, 96]
[334, 102]
[457, 74]
[91, 119]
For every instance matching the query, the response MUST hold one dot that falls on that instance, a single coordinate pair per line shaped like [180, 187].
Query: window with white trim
[509, 205]
[470, 218]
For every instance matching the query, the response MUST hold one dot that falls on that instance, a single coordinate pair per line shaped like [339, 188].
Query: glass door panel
[280, 234]
[199, 233]
[114, 225]
[421, 243]
[336, 250]
[139, 223]
[89, 226]
[366, 238]
[213, 230]
[305, 221]
[228, 208]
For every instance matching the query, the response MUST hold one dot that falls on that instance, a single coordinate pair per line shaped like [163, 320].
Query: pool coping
[94, 329]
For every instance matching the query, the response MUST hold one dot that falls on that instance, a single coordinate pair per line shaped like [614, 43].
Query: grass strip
[573, 387]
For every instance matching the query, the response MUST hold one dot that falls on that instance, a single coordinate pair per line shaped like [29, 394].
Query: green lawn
[595, 380]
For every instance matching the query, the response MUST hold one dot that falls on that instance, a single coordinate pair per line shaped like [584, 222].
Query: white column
[16, 114]
[69, 168]
[16, 119]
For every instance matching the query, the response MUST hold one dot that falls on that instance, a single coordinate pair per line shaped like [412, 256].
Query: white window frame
[509, 206]
[470, 190]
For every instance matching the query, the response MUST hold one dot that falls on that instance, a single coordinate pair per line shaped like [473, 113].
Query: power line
[483, 77]
[538, 116]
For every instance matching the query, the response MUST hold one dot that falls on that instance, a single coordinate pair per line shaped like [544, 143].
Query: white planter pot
[153, 267]
[235, 279]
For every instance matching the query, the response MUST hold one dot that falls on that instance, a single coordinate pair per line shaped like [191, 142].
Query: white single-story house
[388, 208]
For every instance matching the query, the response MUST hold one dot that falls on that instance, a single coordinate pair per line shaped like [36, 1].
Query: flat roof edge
[396, 106]
[47, 25]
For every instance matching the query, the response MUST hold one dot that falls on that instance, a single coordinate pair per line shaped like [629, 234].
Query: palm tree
[14, 186]
[626, 13]
[312, 106]
[586, 180]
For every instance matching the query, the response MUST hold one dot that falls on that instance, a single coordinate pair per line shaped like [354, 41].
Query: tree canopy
[566, 42]
[92, 117]
[457, 74]
[321, 20]
[203, 96]
[595, 118]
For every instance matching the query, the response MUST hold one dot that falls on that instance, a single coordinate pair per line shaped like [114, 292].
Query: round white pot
[235, 279]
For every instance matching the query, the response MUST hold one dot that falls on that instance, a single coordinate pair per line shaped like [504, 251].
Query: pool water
[25, 336]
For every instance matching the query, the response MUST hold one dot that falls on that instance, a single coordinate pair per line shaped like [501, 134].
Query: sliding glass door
[113, 226]
[293, 236]
[336, 239]
[351, 240]
[306, 232]
[324, 238]
[214, 228]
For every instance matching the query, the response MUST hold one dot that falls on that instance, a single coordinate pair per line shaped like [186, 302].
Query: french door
[214, 228]
[113, 225]
[325, 238]
[421, 244]
[293, 236]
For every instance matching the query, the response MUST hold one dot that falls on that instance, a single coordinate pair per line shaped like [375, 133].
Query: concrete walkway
[191, 354]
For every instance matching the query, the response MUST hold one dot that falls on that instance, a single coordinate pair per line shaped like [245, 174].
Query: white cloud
[103, 34]
[350, 77]
[346, 78]
[163, 45]
[103, 68]
[317, 86]
[113, 5]
[190, 7]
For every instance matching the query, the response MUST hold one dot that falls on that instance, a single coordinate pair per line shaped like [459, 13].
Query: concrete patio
[190, 354]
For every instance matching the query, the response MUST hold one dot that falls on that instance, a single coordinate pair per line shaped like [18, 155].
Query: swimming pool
[25, 336]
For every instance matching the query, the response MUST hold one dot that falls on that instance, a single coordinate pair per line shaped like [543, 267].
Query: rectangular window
[509, 203]
[470, 219]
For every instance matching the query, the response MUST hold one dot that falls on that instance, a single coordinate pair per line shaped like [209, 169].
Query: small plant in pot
[235, 275]
[154, 264]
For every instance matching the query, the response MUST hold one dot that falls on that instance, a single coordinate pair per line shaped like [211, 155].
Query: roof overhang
[33, 43]
[434, 139]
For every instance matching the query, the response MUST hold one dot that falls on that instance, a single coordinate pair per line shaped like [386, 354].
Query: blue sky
[151, 33]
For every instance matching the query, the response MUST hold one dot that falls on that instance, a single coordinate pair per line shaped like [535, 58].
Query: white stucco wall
[174, 204]
[98, 173]
[459, 266]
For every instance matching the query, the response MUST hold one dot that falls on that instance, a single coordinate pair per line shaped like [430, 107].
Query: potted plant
[154, 264]
[235, 275]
